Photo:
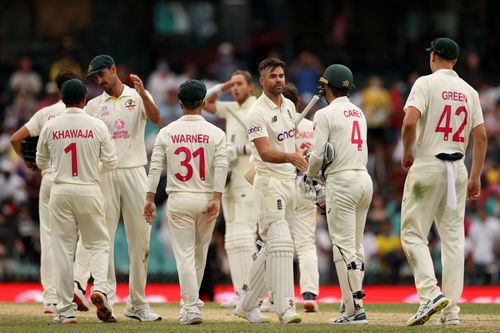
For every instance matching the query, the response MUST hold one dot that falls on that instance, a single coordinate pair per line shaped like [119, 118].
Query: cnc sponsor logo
[255, 129]
[285, 135]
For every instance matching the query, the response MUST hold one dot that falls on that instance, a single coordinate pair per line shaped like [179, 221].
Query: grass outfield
[386, 318]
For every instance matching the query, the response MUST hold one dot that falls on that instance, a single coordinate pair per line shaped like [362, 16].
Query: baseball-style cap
[73, 91]
[192, 90]
[99, 63]
[445, 47]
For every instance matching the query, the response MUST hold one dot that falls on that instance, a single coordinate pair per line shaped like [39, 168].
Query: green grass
[384, 318]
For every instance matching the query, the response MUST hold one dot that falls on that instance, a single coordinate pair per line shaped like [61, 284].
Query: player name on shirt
[454, 96]
[190, 138]
[352, 113]
[72, 134]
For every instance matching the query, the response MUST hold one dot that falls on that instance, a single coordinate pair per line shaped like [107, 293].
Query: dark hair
[245, 74]
[270, 63]
[190, 104]
[290, 91]
[339, 92]
[65, 76]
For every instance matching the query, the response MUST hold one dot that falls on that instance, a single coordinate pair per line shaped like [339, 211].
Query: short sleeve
[256, 125]
[419, 96]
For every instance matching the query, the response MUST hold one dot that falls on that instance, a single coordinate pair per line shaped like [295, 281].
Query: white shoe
[310, 306]
[79, 298]
[253, 316]
[267, 306]
[190, 318]
[290, 317]
[230, 304]
[49, 308]
[64, 319]
[426, 310]
[142, 315]
[358, 318]
[103, 309]
[448, 319]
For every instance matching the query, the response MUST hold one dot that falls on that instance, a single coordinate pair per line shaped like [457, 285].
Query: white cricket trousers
[304, 239]
[124, 190]
[238, 205]
[190, 234]
[47, 264]
[424, 201]
[349, 194]
[76, 208]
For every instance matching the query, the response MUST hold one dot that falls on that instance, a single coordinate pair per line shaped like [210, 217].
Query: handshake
[235, 149]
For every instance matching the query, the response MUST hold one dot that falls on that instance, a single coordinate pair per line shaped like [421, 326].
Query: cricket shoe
[448, 319]
[358, 318]
[103, 309]
[290, 317]
[79, 298]
[253, 316]
[190, 318]
[427, 309]
[230, 304]
[49, 308]
[142, 314]
[59, 319]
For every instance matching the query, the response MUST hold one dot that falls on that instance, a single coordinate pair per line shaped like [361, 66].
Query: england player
[238, 204]
[73, 145]
[195, 154]
[271, 129]
[442, 111]
[125, 111]
[304, 228]
[32, 129]
[348, 185]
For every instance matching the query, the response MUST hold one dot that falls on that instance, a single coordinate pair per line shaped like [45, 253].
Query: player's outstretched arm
[213, 93]
[269, 155]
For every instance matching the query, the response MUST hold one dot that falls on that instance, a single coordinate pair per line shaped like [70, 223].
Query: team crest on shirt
[130, 104]
[50, 117]
[274, 119]
[104, 111]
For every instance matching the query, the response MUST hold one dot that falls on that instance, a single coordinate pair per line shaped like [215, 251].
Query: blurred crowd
[382, 98]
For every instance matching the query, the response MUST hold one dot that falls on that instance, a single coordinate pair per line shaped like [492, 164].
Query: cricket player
[125, 111]
[271, 129]
[238, 203]
[73, 145]
[349, 188]
[304, 229]
[442, 111]
[32, 129]
[195, 154]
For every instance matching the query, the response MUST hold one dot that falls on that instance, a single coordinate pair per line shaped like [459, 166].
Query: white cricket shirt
[342, 124]
[195, 154]
[449, 109]
[125, 118]
[266, 119]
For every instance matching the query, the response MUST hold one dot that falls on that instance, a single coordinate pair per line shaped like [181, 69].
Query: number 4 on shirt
[446, 129]
[356, 135]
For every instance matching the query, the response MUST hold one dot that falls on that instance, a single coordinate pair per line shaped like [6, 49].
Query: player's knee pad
[257, 286]
[279, 269]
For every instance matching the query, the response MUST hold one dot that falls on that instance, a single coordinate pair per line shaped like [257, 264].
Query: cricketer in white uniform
[195, 154]
[238, 203]
[348, 185]
[304, 228]
[442, 111]
[125, 111]
[32, 129]
[74, 145]
[271, 129]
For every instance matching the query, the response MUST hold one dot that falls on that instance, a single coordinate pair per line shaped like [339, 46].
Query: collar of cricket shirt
[191, 117]
[449, 72]
[127, 92]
